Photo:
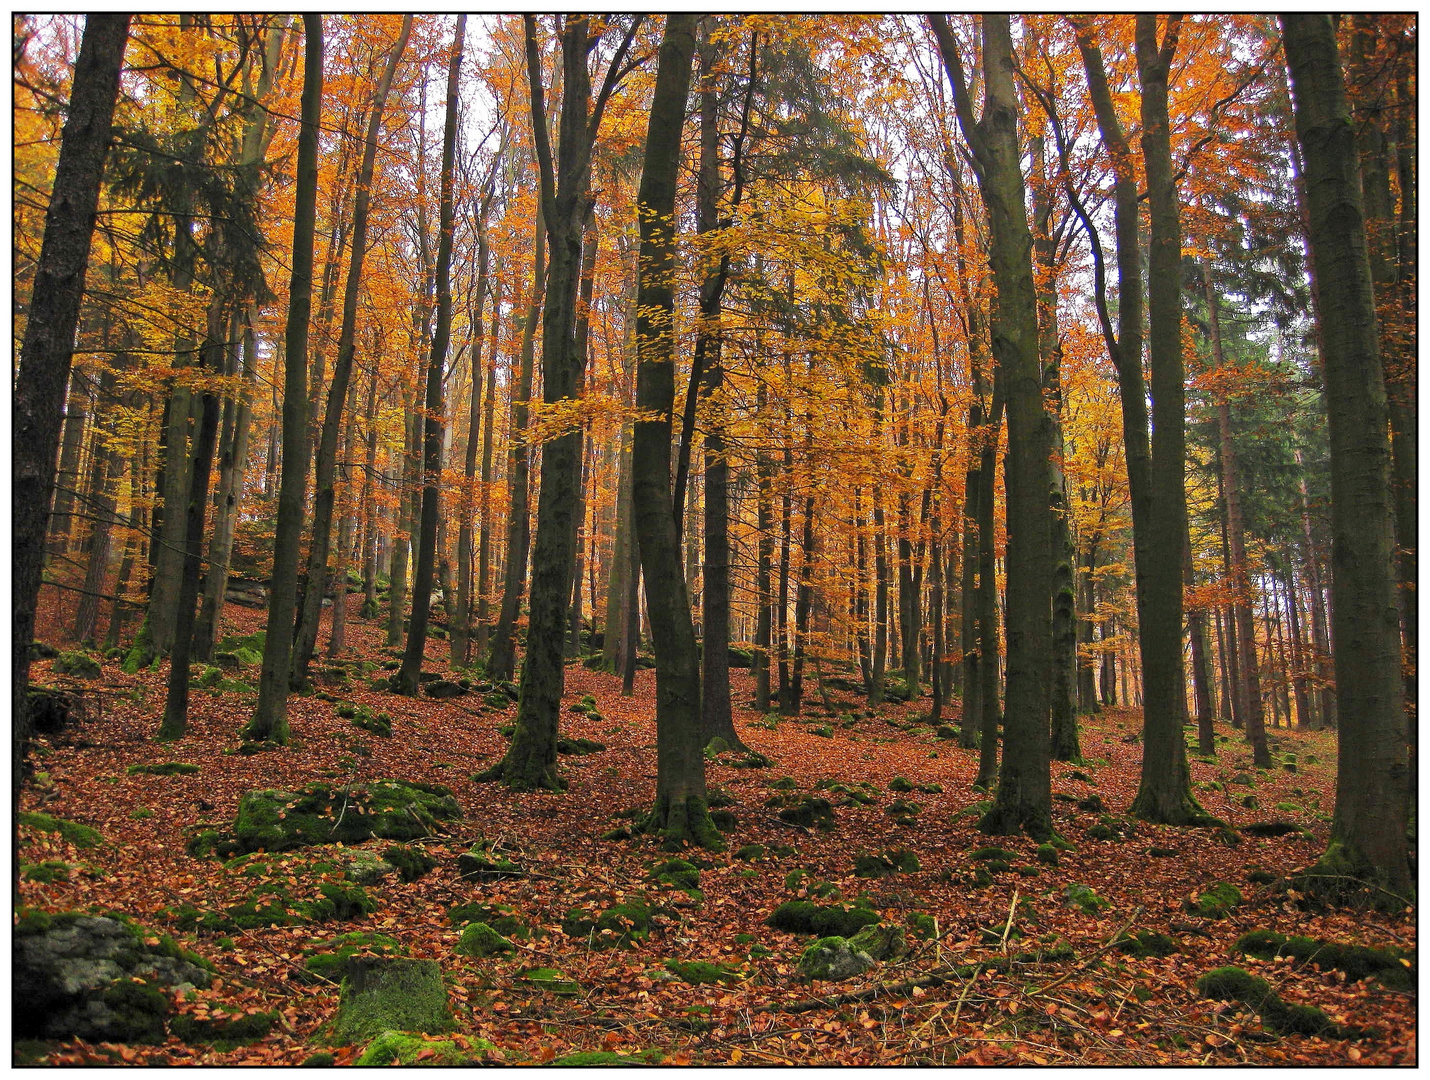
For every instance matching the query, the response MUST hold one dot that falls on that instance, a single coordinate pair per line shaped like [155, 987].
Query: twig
[1112, 943]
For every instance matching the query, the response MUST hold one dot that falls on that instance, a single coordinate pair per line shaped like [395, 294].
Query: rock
[41, 651]
[480, 940]
[391, 994]
[833, 959]
[882, 941]
[165, 768]
[254, 598]
[223, 1034]
[273, 820]
[401, 1048]
[479, 866]
[72, 978]
[365, 868]
[77, 665]
[943, 731]
[228, 661]
[443, 688]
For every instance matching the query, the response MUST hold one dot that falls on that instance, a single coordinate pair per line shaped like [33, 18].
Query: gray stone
[366, 868]
[833, 959]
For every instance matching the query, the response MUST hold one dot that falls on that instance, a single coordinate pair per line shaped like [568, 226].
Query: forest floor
[1049, 990]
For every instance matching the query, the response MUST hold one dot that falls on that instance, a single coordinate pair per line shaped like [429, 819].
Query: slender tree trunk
[1086, 662]
[881, 602]
[765, 549]
[76, 411]
[270, 718]
[105, 469]
[585, 451]
[681, 812]
[501, 661]
[337, 639]
[484, 539]
[1368, 829]
[371, 540]
[1298, 652]
[403, 535]
[991, 714]
[409, 675]
[462, 617]
[619, 610]
[1201, 676]
[47, 348]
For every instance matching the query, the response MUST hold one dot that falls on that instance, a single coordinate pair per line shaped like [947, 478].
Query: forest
[768, 539]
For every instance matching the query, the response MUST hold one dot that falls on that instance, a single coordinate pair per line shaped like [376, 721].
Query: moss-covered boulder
[74, 976]
[411, 863]
[677, 873]
[77, 665]
[81, 836]
[391, 994]
[487, 862]
[552, 980]
[882, 941]
[1084, 899]
[328, 960]
[480, 940]
[1390, 966]
[702, 972]
[807, 917]
[408, 1049]
[164, 768]
[1216, 901]
[1237, 984]
[273, 820]
[810, 812]
[618, 925]
[893, 861]
[366, 867]
[833, 959]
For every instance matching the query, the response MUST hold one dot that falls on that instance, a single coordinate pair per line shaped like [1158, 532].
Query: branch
[538, 120]
[953, 66]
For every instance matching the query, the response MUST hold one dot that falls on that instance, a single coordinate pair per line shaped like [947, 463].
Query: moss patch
[807, 917]
[410, 863]
[271, 820]
[1390, 966]
[701, 972]
[167, 768]
[223, 1033]
[391, 994]
[81, 836]
[1216, 902]
[402, 1048]
[1237, 984]
[480, 940]
[1084, 899]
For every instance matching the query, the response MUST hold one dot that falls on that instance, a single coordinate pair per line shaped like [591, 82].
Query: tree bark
[47, 348]
[1024, 797]
[1368, 829]
[681, 811]
[409, 674]
[270, 717]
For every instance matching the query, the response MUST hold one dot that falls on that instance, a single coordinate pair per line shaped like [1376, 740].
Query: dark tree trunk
[1201, 674]
[765, 551]
[787, 704]
[405, 532]
[990, 711]
[624, 565]
[586, 451]
[270, 717]
[76, 413]
[409, 675]
[47, 349]
[1024, 797]
[1368, 830]
[681, 812]
[462, 617]
[484, 538]
[881, 603]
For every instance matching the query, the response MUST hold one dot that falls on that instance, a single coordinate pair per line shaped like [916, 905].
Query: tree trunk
[782, 649]
[1024, 797]
[680, 812]
[585, 450]
[325, 468]
[991, 714]
[409, 675]
[881, 602]
[47, 348]
[462, 617]
[1368, 830]
[370, 537]
[624, 565]
[270, 718]
[1201, 676]
[337, 640]
[764, 568]
[76, 413]
[1298, 651]
[484, 539]
[105, 469]
[404, 534]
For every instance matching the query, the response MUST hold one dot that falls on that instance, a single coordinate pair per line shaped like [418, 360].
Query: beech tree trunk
[270, 717]
[1368, 829]
[462, 616]
[681, 812]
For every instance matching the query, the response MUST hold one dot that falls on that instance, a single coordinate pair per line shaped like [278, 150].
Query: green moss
[223, 1034]
[1147, 943]
[552, 980]
[752, 852]
[882, 941]
[500, 917]
[924, 926]
[701, 972]
[677, 873]
[141, 813]
[1216, 902]
[902, 808]
[480, 940]
[893, 861]
[987, 854]
[1390, 966]
[46, 872]
[401, 1048]
[81, 836]
[1047, 853]
[1237, 984]
[619, 925]
[322, 1059]
[810, 812]
[806, 917]
[784, 783]
[410, 863]
[77, 665]
[137, 1011]
[167, 768]
[391, 994]
[1084, 899]
[329, 959]
[578, 747]
[273, 820]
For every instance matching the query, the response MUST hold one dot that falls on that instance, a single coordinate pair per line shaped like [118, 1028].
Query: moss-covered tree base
[1009, 817]
[680, 822]
[1171, 807]
[1343, 878]
[525, 769]
[267, 729]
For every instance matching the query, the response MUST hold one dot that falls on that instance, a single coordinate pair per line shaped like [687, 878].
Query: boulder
[73, 978]
[366, 868]
[273, 820]
[833, 959]
[443, 688]
[391, 994]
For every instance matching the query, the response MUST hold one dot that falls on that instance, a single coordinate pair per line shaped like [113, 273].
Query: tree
[1368, 830]
[681, 811]
[47, 348]
[530, 761]
[409, 674]
[1024, 797]
[270, 716]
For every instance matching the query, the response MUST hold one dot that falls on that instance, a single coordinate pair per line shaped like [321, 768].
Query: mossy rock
[1215, 902]
[411, 863]
[1047, 853]
[1100, 832]
[329, 959]
[502, 918]
[1227, 836]
[47, 872]
[81, 836]
[621, 924]
[407, 1050]
[1272, 828]
[992, 854]
[823, 731]
[1390, 966]
[702, 972]
[480, 940]
[901, 784]
[833, 959]
[902, 808]
[1147, 943]
[882, 941]
[807, 917]
[497, 700]
[784, 783]
[77, 665]
[166, 768]
[272, 820]
[391, 994]
[932, 787]
[676, 873]
[223, 1034]
[893, 861]
[1084, 899]
[480, 866]
[923, 925]
[810, 812]
[1237, 984]
[1161, 852]
[1092, 804]
[752, 852]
